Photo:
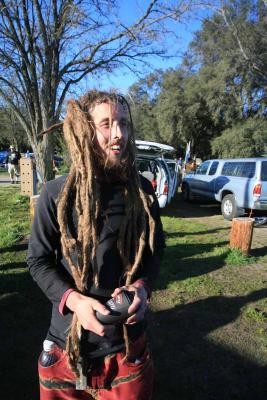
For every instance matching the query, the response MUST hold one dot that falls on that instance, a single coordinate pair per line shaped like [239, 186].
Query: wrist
[72, 300]
[142, 283]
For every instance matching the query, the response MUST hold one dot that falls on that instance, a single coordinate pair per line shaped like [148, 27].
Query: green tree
[46, 48]
[218, 96]
[244, 139]
[230, 52]
[11, 131]
[142, 97]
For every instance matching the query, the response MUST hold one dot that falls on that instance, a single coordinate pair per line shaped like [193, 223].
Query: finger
[99, 329]
[95, 326]
[131, 320]
[138, 316]
[100, 308]
[137, 302]
[118, 291]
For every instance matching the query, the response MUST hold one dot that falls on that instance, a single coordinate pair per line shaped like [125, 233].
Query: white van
[156, 162]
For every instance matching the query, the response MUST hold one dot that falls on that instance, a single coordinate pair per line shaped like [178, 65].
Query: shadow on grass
[181, 233]
[259, 252]
[15, 247]
[178, 262]
[12, 265]
[24, 320]
[189, 366]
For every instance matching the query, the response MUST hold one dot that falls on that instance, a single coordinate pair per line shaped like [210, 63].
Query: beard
[108, 170]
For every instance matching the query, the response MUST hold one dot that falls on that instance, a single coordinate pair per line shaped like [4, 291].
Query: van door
[161, 182]
[209, 184]
[174, 175]
[164, 188]
[199, 182]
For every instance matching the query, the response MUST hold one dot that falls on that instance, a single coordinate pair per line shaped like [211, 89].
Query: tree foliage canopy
[47, 47]
[217, 97]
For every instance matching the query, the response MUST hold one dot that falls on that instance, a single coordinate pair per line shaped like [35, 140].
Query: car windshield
[264, 171]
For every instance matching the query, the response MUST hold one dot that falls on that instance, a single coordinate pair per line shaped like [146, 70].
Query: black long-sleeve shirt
[51, 271]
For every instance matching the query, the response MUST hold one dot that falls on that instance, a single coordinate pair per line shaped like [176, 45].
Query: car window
[230, 168]
[240, 169]
[245, 169]
[203, 168]
[213, 167]
[264, 171]
[143, 165]
[248, 169]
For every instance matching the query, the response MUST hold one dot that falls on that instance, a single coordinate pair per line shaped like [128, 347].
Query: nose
[116, 131]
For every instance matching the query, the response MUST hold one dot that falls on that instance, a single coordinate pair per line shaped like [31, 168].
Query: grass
[255, 315]
[236, 257]
[208, 320]
[3, 171]
[14, 216]
[209, 326]
[24, 311]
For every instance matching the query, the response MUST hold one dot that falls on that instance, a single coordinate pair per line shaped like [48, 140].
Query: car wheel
[229, 208]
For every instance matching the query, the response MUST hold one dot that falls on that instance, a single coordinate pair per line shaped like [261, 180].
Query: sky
[123, 79]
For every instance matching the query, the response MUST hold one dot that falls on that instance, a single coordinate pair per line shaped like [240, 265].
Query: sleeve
[50, 275]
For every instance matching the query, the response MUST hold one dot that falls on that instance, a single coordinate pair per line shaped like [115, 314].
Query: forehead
[107, 110]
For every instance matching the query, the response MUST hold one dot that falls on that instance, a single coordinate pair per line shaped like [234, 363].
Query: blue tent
[3, 156]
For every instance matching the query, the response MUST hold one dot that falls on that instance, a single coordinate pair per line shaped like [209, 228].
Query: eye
[105, 125]
[124, 123]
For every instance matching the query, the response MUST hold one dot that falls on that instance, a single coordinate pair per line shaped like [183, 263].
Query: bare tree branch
[53, 44]
[253, 64]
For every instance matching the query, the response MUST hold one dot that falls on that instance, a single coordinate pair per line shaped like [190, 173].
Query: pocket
[139, 361]
[58, 371]
[48, 359]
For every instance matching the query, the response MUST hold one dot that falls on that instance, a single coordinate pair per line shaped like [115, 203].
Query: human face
[111, 122]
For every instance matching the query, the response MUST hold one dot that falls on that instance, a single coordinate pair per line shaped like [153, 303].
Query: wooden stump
[241, 233]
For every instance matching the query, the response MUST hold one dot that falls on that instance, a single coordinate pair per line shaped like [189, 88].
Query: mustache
[115, 143]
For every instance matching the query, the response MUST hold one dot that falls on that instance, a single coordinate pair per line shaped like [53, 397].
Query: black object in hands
[118, 307]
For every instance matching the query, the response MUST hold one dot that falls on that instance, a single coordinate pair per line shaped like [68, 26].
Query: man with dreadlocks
[96, 232]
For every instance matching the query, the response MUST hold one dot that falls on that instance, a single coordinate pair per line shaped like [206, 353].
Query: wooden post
[241, 233]
[26, 177]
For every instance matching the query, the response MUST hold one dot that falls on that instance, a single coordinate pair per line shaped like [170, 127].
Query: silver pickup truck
[238, 184]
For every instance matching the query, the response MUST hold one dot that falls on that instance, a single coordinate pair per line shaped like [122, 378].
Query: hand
[85, 308]
[139, 305]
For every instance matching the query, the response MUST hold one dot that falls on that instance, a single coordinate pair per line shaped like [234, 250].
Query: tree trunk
[241, 234]
[43, 151]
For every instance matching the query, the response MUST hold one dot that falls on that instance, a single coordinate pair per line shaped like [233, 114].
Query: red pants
[113, 380]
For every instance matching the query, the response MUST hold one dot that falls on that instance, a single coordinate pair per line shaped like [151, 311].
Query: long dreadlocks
[81, 192]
